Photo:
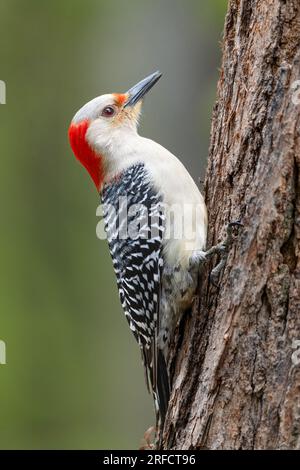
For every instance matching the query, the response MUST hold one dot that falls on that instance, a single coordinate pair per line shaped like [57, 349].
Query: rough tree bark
[237, 369]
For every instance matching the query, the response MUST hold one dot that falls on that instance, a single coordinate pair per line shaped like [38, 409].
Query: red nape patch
[120, 98]
[83, 152]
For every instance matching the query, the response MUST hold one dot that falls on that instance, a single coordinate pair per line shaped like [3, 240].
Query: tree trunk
[237, 368]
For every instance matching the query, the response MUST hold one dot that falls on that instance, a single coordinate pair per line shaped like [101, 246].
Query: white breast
[169, 176]
[186, 224]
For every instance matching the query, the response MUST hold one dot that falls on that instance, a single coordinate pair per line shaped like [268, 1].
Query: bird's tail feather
[157, 380]
[163, 389]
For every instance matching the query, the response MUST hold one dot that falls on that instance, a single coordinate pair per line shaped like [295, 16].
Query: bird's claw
[223, 249]
[214, 276]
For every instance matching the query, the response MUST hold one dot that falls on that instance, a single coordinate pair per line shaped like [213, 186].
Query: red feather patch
[92, 161]
[120, 98]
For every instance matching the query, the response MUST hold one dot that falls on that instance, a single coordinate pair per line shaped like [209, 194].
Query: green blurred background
[73, 377]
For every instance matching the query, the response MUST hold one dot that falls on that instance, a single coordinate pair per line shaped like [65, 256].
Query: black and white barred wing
[134, 221]
[139, 278]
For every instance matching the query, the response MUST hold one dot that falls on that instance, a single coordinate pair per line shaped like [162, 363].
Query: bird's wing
[134, 223]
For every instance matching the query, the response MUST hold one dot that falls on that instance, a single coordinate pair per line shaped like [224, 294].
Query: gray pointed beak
[138, 91]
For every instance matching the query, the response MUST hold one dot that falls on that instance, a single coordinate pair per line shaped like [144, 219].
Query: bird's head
[102, 122]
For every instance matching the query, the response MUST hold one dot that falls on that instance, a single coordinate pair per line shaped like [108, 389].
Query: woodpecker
[156, 269]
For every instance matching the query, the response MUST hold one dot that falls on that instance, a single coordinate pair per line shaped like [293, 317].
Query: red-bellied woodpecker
[142, 185]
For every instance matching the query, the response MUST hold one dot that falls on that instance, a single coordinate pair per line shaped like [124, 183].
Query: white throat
[117, 146]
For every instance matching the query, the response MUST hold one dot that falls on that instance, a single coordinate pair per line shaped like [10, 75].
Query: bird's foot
[221, 249]
[149, 439]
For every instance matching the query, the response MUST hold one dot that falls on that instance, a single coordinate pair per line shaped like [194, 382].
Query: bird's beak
[138, 91]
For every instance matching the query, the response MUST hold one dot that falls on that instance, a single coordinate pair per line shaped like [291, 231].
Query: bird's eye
[108, 111]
